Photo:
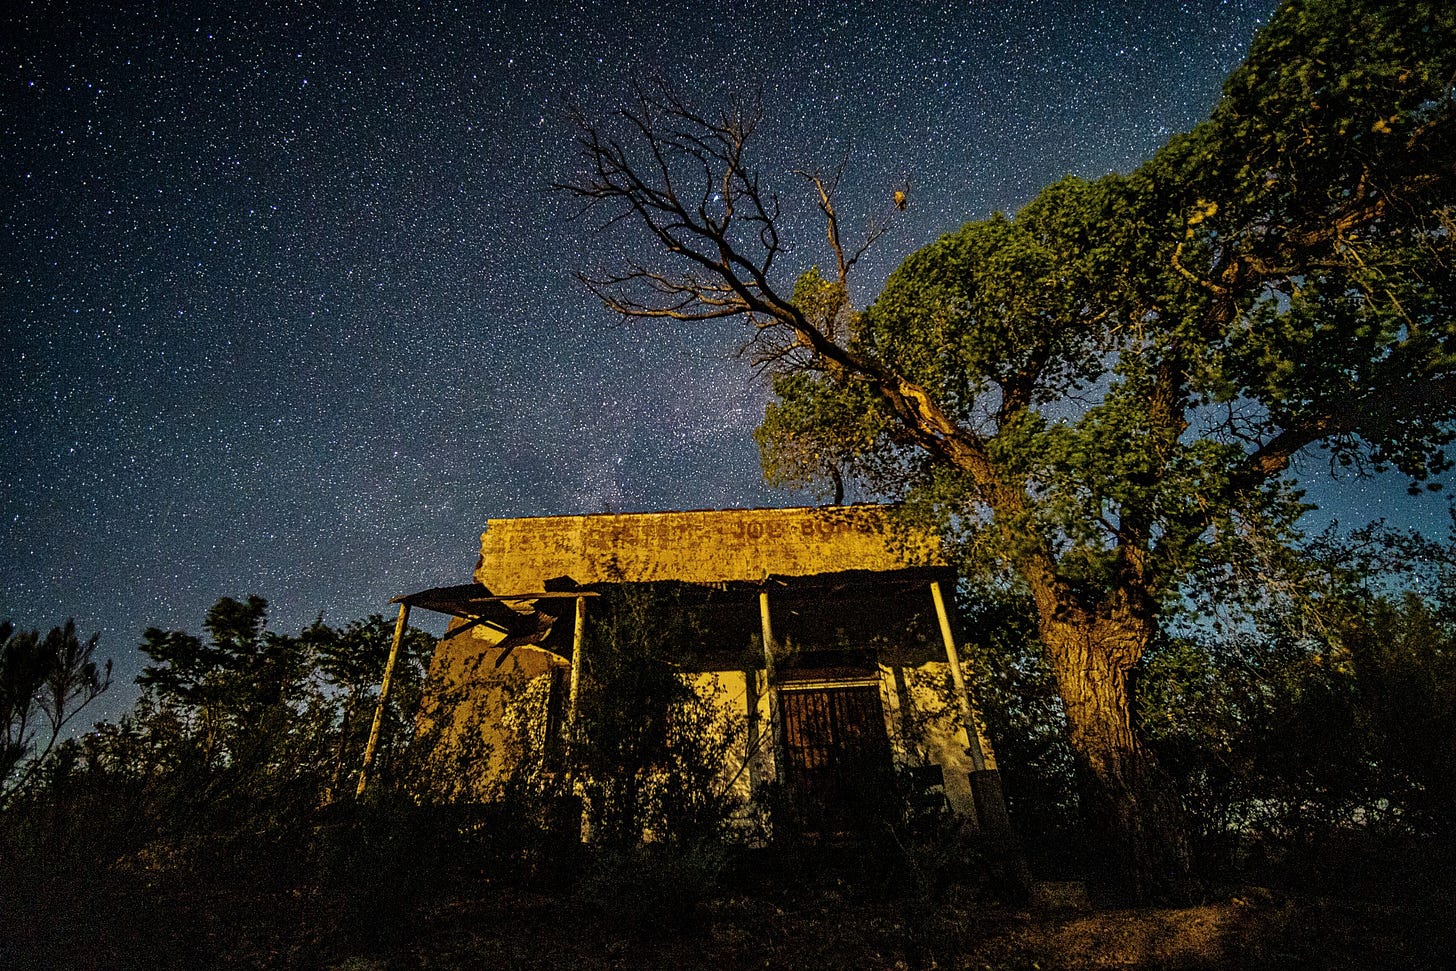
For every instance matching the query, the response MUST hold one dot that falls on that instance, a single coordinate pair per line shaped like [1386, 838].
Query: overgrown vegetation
[213, 792]
[1307, 718]
[45, 682]
[1305, 709]
[1308, 726]
[656, 749]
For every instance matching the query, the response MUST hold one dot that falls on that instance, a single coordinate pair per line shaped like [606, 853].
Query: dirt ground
[747, 933]
[1255, 930]
[615, 914]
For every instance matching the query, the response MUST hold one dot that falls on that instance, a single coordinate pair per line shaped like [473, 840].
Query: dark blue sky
[287, 310]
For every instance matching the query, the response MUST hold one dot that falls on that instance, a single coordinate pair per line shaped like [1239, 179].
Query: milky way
[288, 309]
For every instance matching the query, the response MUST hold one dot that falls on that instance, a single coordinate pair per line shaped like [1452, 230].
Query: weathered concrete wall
[472, 709]
[520, 555]
[933, 730]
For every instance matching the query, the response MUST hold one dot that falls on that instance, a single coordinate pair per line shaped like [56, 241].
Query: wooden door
[838, 757]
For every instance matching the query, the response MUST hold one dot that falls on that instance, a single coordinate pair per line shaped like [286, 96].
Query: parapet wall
[520, 555]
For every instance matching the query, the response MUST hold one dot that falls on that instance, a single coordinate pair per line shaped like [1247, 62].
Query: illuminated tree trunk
[1136, 821]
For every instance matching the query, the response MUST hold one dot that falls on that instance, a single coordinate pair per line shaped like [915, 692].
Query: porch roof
[818, 611]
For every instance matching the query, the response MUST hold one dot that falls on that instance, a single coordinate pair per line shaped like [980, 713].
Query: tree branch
[685, 180]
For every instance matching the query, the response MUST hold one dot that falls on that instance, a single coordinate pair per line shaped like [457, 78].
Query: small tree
[45, 682]
[652, 752]
[245, 716]
[351, 662]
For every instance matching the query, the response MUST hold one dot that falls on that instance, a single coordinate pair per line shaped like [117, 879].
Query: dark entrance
[838, 755]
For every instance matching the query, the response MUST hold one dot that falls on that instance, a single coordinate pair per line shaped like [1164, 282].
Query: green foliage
[244, 668]
[1349, 195]
[1330, 708]
[826, 304]
[1404, 659]
[993, 304]
[814, 431]
[350, 661]
[1093, 394]
[1101, 395]
[1017, 696]
[215, 789]
[253, 727]
[1320, 707]
[1125, 346]
[652, 747]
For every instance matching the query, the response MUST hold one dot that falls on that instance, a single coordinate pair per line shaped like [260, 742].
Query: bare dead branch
[684, 178]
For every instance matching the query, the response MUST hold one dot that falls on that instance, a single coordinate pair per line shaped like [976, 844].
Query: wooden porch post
[373, 744]
[771, 686]
[573, 818]
[578, 639]
[754, 758]
[963, 695]
[985, 780]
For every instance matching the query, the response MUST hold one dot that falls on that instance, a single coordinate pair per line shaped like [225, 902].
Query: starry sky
[288, 308]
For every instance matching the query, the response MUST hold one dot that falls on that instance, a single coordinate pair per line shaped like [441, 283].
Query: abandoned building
[824, 634]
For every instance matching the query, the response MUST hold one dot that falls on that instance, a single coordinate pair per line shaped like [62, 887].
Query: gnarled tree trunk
[1130, 805]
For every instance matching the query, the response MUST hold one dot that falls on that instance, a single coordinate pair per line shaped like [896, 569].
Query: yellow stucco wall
[480, 714]
[931, 727]
[520, 555]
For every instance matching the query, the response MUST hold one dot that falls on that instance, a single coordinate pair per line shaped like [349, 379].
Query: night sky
[288, 310]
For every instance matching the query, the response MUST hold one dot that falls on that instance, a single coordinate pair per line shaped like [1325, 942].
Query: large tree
[1106, 390]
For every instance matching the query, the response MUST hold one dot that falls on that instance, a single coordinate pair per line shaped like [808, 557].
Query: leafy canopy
[1140, 356]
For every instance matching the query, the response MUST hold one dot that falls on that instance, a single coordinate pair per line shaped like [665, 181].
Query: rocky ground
[629, 913]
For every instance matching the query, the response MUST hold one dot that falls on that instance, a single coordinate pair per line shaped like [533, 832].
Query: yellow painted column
[372, 746]
[985, 780]
[771, 686]
[578, 640]
[963, 695]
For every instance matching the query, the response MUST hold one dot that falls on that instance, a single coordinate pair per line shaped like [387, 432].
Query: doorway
[839, 771]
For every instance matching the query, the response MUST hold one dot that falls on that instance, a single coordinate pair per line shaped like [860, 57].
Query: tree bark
[1140, 849]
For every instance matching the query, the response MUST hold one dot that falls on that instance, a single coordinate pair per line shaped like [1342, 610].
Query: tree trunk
[338, 772]
[1136, 823]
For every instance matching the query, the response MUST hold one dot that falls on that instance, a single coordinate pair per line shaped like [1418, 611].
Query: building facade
[826, 635]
